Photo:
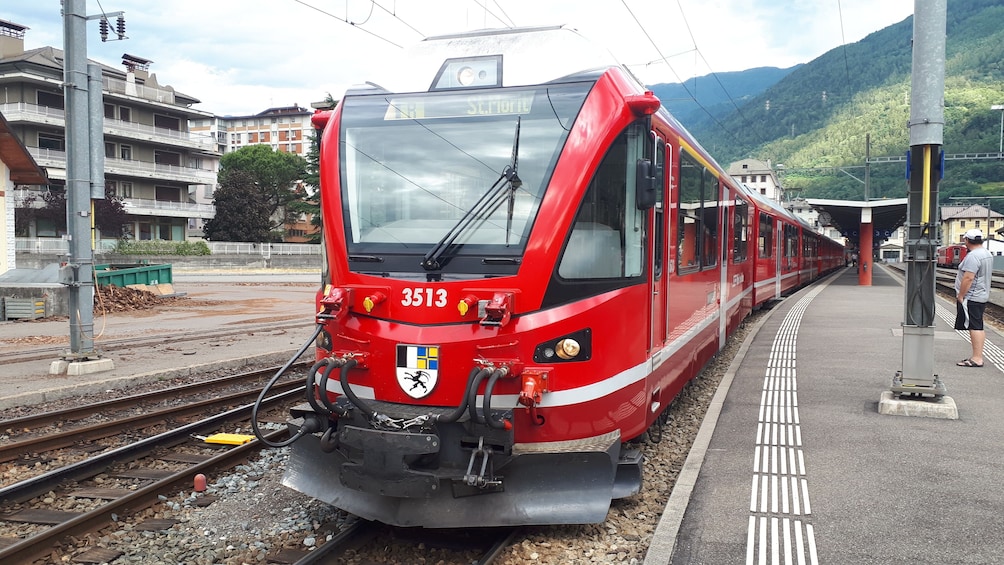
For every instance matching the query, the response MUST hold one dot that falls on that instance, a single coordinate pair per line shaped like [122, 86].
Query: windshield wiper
[503, 188]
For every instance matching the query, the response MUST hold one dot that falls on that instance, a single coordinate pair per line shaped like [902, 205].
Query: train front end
[476, 364]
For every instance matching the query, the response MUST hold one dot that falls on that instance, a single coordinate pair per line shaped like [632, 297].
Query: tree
[109, 214]
[273, 174]
[312, 204]
[242, 210]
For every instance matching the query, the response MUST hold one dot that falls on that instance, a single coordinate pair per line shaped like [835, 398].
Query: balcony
[43, 115]
[55, 163]
[133, 206]
[161, 208]
[116, 86]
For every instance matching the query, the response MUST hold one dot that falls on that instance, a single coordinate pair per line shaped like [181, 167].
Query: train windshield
[458, 175]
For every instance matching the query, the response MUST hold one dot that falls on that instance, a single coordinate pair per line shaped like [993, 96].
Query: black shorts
[970, 316]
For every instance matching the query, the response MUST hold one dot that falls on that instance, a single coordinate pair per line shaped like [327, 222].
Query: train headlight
[567, 348]
[466, 76]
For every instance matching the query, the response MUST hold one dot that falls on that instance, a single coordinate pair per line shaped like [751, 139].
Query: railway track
[49, 352]
[86, 434]
[143, 470]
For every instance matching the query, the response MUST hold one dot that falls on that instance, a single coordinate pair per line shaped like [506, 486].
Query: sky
[241, 57]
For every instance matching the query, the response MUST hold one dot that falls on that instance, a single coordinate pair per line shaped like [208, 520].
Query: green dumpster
[125, 275]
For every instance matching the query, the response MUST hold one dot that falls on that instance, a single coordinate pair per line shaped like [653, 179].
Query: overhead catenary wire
[728, 95]
[682, 83]
[343, 20]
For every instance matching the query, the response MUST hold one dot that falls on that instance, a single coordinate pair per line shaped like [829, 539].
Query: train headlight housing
[576, 346]
[469, 72]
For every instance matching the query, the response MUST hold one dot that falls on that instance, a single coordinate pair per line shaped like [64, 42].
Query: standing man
[972, 291]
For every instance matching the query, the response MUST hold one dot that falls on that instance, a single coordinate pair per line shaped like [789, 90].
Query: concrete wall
[185, 263]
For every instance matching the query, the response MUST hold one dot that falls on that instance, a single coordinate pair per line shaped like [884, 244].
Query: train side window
[607, 239]
[765, 238]
[790, 241]
[697, 217]
[740, 231]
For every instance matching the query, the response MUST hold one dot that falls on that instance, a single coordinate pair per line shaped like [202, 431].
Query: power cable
[693, 40]
[682, 83]
[398, 18]
[343, 20]
[484, 7]
[511, 23]
[843, 42]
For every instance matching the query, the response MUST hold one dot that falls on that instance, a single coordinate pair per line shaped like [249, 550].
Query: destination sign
[459, 106]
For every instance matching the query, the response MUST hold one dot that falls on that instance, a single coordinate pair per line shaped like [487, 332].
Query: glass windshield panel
[416, 166]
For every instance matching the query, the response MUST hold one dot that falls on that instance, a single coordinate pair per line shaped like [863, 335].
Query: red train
[527, 258]
[951, 255]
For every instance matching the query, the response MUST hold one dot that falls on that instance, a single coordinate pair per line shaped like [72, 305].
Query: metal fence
[59, 246]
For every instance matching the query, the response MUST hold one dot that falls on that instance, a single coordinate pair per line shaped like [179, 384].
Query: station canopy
[886, 215]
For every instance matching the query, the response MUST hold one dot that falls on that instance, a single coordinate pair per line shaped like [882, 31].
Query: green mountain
[815, 119]
[702, 100]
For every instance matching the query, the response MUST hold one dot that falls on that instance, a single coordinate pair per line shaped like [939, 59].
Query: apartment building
[165, 172]
[759, 176]
[285, 128]
[956, 220]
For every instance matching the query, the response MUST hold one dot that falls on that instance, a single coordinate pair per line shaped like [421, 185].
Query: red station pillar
[865, 252]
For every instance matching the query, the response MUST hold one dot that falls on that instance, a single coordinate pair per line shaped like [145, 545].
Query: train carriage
[526, 260]
[951, 255]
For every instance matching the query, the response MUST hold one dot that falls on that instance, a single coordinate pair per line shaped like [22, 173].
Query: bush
[130, 247]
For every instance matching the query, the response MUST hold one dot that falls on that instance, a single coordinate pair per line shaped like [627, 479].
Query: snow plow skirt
[538, 488]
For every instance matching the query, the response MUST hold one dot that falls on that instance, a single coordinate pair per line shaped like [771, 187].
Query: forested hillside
[819, 114]
[701, 100]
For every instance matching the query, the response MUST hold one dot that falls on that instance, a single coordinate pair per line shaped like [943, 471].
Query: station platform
[795, 464]
[243, 318]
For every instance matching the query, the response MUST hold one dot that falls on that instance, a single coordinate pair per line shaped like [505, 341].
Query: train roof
[529, 55]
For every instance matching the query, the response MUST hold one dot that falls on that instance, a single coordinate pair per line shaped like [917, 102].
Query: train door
[779, 254]
[658, 278]
[728, 211]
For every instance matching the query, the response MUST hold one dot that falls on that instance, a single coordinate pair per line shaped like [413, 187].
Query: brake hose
[261, 397]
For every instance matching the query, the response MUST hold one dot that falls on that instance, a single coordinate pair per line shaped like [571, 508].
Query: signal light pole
[84, 182]
[925, 168]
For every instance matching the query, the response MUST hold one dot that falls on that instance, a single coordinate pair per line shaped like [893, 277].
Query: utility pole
[924, 172]
[84, 125]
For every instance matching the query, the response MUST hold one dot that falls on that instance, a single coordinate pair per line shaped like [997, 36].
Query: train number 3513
[428, 297]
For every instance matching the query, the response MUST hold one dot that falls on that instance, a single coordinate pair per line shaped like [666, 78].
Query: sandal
[969, 363]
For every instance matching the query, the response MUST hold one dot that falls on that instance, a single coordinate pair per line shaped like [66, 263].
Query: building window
[167, 122]
[763, 191]
[109, 111]
[763, 178]
[51, 141]
[977, 224]
[125, 114]
[125, 152]
[167, 158]
[49, 99]
[962, 224]
[126, 188]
